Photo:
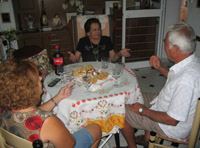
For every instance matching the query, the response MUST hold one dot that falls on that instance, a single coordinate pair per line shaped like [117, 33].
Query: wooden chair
[155, 138]
[8, 140]
[26, 52]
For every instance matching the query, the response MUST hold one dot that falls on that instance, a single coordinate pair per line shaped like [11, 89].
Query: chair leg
[152, 139]
[117, 140]
[174, 144]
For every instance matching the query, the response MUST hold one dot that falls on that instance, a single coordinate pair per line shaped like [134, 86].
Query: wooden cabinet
[141, 36]
[98, 6]
[23, 8]
[48, 40]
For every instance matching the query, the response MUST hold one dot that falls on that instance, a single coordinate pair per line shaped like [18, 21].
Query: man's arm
[160, 117]
[157, 116]
[155, 62]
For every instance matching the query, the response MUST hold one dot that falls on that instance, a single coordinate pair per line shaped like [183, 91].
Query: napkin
[103, 84]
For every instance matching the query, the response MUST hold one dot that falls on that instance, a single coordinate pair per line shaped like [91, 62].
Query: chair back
[195, 127]
[36, 55]
[77, 31]
[8, 140]
[26, 52]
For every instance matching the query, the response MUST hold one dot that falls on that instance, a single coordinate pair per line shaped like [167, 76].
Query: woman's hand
[64, 92]
[134, 107]
[72, 57]
[125, 52]
[155, 62]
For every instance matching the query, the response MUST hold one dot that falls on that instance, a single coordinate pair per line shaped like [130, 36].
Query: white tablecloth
[105, 106]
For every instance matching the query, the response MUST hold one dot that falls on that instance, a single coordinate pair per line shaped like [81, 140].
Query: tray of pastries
[90, 73]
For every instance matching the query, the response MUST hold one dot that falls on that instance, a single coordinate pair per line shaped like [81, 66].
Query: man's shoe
[140, 140]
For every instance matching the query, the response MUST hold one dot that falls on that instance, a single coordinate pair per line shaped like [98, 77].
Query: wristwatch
[141, 109]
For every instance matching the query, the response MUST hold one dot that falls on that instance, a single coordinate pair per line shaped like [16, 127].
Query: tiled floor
[150, 80]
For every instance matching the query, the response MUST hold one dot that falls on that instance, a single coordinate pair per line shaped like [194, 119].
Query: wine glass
[122, 66]
[117, 72]
[87, 83]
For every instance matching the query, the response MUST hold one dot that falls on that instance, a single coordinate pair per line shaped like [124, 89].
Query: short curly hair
[89, 22]
[19, 85]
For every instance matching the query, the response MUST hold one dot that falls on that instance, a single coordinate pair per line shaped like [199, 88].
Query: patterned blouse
[26, 125]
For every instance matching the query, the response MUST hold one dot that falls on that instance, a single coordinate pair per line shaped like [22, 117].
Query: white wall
[171, 17]
[194, 20]
[7, 7]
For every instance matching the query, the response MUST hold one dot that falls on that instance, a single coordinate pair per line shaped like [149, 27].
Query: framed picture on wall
[5, 17]
[198, 3]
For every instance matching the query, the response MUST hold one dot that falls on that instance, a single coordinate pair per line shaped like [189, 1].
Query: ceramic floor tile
[111, 142]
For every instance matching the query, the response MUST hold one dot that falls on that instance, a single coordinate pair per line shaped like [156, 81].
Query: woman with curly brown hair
[20, 91]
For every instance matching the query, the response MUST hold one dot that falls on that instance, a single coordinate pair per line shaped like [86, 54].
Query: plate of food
[89, 74]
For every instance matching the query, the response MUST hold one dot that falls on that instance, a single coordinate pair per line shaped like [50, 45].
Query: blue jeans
[83, 139]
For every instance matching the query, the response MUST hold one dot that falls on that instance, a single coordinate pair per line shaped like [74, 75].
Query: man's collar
[177, 67]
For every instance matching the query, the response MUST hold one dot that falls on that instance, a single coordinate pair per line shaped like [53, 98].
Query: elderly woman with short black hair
[95, 46]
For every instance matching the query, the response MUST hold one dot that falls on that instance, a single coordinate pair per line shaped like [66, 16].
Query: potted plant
[78, 4]
[9, 35]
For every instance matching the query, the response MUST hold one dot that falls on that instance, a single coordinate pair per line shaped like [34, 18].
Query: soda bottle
[58, 61]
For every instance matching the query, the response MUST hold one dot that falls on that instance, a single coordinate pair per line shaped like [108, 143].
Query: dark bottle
[58, 60]
[37, 144]
[43, 19]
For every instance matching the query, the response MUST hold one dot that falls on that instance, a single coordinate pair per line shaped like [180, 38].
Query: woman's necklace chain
[95, 51]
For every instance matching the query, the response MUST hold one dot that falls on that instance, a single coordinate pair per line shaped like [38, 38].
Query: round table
[105, 106]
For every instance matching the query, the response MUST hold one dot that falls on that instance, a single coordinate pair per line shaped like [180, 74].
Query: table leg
[117, 140]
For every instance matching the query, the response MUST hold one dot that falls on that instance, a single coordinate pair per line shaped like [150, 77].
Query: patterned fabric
[42, 61]
[26, 125]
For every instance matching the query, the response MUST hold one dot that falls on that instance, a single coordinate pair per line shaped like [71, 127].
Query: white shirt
[179, 96]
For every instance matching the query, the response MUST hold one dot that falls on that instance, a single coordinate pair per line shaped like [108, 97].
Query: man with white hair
[172, 111]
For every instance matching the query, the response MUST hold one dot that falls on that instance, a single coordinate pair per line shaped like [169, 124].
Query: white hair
[183, 36]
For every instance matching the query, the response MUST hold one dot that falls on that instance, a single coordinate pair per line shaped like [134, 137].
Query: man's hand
[134, 107]
[155, 62]
[125, 52]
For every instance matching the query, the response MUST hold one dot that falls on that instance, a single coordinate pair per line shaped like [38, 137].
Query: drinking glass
[69, 75]
[117, 72]
[104, 62]
[62, 77]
